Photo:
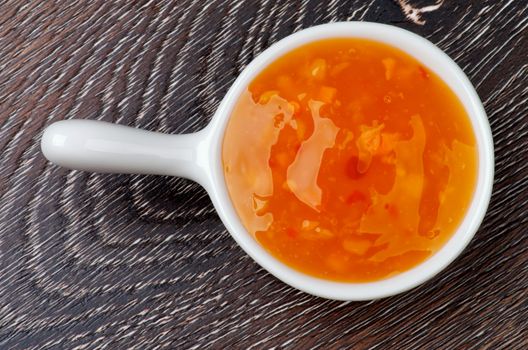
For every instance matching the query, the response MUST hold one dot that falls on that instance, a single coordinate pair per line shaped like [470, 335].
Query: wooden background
[143, 262]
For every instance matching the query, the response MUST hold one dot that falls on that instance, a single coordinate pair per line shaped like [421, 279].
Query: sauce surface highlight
[348, 160]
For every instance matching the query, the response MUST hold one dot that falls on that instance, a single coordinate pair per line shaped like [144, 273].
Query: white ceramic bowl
[104, 147]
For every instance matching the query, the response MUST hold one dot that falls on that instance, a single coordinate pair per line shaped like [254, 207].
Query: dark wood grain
[143, 262]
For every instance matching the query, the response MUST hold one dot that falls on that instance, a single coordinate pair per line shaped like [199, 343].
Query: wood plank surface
[91, 261]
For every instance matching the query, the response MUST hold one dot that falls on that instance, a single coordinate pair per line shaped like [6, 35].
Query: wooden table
[139, 262]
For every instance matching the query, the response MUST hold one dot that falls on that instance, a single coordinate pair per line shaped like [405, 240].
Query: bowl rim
[430, 56]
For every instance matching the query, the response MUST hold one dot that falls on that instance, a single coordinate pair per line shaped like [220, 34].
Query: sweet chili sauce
[349, 160]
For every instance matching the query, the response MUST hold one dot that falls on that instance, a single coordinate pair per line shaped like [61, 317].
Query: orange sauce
[349, 160]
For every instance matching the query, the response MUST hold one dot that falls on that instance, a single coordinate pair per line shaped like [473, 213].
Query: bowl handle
[110, 148]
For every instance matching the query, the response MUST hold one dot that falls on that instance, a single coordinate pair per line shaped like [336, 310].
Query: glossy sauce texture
[349, 160]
